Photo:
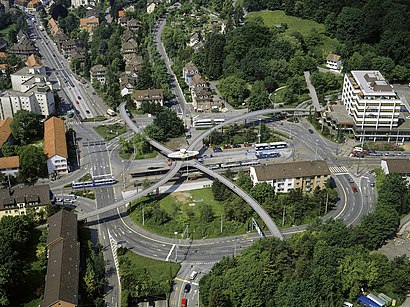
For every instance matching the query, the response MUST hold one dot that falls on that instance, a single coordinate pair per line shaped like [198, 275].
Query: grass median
[195, 213]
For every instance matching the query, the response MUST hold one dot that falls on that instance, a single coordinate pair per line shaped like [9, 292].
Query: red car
[184, 302]
[77, 102]
[354, 189]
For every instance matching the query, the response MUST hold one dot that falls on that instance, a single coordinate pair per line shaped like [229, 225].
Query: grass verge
[98, 118]
[154, 276]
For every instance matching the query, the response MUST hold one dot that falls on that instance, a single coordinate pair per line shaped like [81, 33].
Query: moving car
[354, 189]
[187, 288]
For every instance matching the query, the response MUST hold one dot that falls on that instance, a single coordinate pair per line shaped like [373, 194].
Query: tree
[220, 191]
[391, 193]
[26, 126]
[234, 89]
[213, 55]
[258, 99]
[33, 164]
[206, 213]
[244, 181]
[9, 150]
[170, 123]
[155, 132]
[265, 133]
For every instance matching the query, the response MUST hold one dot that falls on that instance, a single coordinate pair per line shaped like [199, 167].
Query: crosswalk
[338, 170]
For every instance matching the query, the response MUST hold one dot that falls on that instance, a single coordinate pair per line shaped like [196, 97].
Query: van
[193, 275]
[347, 304]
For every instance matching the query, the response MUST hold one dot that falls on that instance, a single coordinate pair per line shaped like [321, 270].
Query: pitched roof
[62, 225]
[333, 57]
[63, 260]
[32, 61]
[88, 21]
[3, 55]
[121, 13]
[9, 162]
[5, 130]
[197, 79]
[148, 94]
[291, 170]
[400, 166]
[38, 195]
[191, 67]
[54, 138]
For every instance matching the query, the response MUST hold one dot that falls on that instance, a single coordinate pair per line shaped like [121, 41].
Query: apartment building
[30, 91]
[17, 200]
[303, 175]
[154, 95]
[370, 100]
[98, 72]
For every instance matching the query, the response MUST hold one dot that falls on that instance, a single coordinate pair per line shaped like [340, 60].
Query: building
[89, 24]
[129, 47]
[372, 103]
[17, 201]
[53, 26]
[334, 61]
[9, 166]
[399, 166]
[154, 95]
[63, 250]
[5, 131]
[127, 84]
[77, 3]
[303, 175]
[55, 146]
[23, 48]
[34, 5]
[31, 91]
[189, 71]
[151, 4]
[98, 72]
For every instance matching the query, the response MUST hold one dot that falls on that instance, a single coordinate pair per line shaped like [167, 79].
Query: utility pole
[221, 222]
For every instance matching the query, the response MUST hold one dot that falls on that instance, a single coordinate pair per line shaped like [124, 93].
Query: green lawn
[127, 155]
[304, 26]
[108, 132]
[183, 208]
[4, 32]
[98, 118]
[155, 271]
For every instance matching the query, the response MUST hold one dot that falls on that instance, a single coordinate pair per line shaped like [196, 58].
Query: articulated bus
[93, 183]
[207, 122]
[268, 146]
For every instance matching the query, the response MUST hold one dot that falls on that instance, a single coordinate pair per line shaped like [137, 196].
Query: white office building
[370, 100]
[31, 92]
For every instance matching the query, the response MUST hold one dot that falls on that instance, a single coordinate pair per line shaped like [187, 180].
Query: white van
[193, 275]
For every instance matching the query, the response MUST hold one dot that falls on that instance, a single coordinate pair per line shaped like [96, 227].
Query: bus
[366, 302]
[268, 146]
[93, 183]
[266, 155]
[208, 122]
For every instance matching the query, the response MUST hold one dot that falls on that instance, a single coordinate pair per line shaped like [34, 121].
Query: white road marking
[170, 252]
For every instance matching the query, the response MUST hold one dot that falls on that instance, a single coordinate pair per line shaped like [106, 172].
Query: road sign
[260, 232]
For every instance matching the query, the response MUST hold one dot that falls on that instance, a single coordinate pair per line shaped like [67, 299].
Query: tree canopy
[26, 126]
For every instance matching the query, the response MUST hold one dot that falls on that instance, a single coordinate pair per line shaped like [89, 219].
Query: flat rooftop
[372, 82]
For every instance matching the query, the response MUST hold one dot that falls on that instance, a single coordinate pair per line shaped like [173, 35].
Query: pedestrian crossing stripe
[338, 169]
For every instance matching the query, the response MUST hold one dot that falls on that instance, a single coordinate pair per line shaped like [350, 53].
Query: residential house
[18, 200]
[127, 35]
[33, 61]
[69, 45]
[63, 266]
[372, 103]
[98, 72]
[77, 3]
[127, 84]
[154, 95]
[134, 25]
[399, 166]
[3, 69]
[129, 47]
[31, 91]
[303, 175]
[3, 43]
[89, 24]
[194, 40]
[122, 21]
[53, 26]
[24, 48]
[5, 132]
[198, 82]
[91, 12]
[60, 38]
[55, 146]
[34, 5]
[21, 36]
[203, 100]
[9, 166]
[121, 13]
[3, 55]
[79, 54]
[189, 70]
[151, 4]
[334, 61]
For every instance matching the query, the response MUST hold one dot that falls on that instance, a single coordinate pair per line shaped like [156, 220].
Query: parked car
[351, 180]
[217, 149]
[372, 184]
[354, 189]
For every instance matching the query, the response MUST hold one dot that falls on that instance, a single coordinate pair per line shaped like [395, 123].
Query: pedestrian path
[339, 170]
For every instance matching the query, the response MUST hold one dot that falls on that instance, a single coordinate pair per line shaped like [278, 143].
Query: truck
[111, 112]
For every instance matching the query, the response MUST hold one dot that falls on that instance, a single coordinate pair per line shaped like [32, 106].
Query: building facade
[154, 95]
[370, 100]
[98, 73]
[334, 61]
[399, 166]
[302, 175]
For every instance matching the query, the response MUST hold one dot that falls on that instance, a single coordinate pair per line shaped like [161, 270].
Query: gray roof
[372, 82]
[291, 170]
[333, 57]
[400, 166]
[63, 260]
[38, 195]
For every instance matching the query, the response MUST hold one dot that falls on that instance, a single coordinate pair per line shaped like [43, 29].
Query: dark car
[87, 111]
[78, 97]
[311, 131]
[187, 288]
[217, 149]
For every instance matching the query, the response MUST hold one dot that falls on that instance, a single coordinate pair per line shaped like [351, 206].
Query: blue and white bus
[93, 183]
[268, 146]
[366, 302]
